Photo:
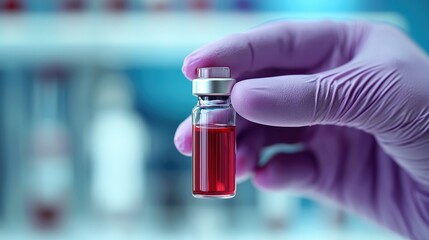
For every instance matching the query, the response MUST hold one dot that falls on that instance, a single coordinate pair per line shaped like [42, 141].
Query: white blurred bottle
[119, 143]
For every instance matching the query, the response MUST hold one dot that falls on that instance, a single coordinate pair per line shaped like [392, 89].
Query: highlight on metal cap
[213, 81]
[214, 72]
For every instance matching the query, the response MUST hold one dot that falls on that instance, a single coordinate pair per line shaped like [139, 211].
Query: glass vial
[213, 130]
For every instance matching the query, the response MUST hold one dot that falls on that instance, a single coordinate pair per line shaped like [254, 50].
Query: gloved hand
[355, 93]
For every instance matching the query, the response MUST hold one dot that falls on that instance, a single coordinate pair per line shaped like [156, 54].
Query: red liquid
[73, 6]
[46, 216]
[213, 161]
[12, 6]
[117, 5]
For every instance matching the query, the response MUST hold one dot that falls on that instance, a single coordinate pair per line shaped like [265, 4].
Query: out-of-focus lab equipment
[91, 93]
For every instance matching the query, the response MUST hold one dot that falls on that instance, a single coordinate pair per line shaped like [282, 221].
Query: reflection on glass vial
[213, 119]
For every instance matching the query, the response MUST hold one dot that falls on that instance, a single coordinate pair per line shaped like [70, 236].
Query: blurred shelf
[148, 38]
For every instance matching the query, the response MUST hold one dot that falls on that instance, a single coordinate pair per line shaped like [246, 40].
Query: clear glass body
[213, 154]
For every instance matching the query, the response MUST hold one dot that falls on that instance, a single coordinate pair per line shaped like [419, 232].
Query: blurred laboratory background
[91, 93]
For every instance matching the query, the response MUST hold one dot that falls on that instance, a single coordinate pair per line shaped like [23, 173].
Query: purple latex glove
[355, 93]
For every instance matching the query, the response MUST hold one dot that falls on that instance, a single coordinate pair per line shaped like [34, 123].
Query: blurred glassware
[49, 176]
[200, 5]
[244, 5]
[11, 6]
[158, 5]
[117, 5]
[49, 169]
[73, 5]
[2, 148]
[119, 145]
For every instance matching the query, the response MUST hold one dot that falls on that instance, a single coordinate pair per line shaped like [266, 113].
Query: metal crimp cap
[213, 81]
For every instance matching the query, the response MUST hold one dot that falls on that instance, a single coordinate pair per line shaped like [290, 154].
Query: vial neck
[214, 100]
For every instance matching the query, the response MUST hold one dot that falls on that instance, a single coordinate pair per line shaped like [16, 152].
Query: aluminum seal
[213, 81]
